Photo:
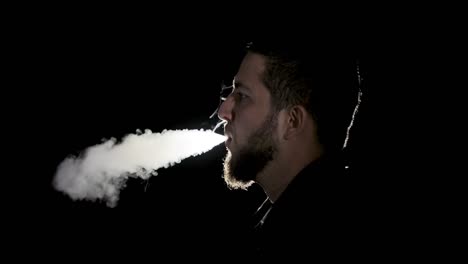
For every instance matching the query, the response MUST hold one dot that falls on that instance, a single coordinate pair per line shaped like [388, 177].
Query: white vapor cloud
[100, 171]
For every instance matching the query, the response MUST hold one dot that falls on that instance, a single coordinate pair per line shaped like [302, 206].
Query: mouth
[228, 134]
[228, 141]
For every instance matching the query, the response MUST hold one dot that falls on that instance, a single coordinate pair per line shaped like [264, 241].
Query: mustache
[228, 130]
[219, 124]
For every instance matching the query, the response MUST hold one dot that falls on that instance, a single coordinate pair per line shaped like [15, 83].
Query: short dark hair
[321, 76]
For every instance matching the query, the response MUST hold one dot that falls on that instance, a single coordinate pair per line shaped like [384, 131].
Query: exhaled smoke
[101, 171]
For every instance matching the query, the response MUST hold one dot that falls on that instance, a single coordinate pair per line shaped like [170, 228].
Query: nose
[225, 109]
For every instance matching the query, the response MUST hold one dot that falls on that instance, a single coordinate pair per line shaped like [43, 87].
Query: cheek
[241, 134]
[281, 125]
[247, 122]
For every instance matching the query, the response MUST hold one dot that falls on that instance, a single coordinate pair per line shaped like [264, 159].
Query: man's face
[251, 124]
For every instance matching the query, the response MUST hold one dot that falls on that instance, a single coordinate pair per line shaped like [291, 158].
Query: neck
[275, 178]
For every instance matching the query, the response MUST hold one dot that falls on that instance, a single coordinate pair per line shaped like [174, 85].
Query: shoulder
[319, 194]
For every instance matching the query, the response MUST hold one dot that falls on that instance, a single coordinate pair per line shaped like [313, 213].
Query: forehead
[251, 70]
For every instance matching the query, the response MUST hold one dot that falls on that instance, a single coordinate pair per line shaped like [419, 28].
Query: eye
[239, 96]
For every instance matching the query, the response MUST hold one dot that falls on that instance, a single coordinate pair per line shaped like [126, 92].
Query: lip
[228, 141]
[228, 134]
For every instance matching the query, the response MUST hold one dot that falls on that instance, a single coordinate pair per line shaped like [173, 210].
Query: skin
[266, 147]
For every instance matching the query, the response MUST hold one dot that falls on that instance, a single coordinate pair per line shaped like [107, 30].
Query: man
[286, 120]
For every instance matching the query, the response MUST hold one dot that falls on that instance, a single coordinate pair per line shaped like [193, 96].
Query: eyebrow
[239, 84]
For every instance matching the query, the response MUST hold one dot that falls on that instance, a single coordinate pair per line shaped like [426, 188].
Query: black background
[80, 77]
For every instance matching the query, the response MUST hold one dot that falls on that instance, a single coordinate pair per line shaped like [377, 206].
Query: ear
[295, 121]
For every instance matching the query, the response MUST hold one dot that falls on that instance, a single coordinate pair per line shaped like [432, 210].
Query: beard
[241, 169]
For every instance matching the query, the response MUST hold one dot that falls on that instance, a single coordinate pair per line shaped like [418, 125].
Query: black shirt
[315, 215]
